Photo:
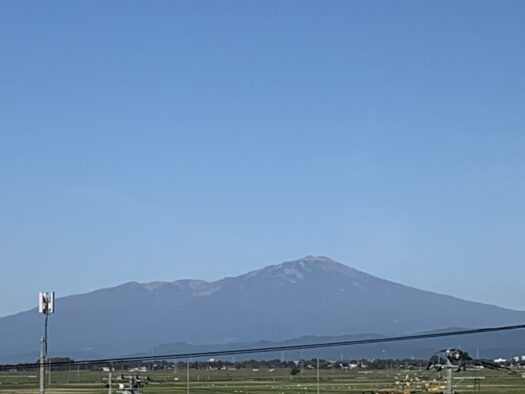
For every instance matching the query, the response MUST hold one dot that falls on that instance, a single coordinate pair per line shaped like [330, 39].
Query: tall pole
[317, 374]
[449, 381]
[188, 376]
[42, 366]
[110, 383]
[46, 306]
[43, 355]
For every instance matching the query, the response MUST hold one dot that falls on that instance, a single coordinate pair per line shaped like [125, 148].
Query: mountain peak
[321, 261]
[294, 271]
[318, 263]
[309, 259]
[313, 267]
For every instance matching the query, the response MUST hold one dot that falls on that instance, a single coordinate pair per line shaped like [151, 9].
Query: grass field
[247, 381]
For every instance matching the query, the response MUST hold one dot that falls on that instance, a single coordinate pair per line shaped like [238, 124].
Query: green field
[248, 381]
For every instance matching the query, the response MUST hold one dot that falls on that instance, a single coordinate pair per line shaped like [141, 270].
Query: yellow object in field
[436, 389]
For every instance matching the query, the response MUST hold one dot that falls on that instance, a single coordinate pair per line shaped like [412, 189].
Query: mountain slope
[309, 296]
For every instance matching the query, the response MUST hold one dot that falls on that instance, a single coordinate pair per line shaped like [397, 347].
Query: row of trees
[65, 363]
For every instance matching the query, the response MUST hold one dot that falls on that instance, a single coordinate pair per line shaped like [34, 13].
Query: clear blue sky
[164, 140]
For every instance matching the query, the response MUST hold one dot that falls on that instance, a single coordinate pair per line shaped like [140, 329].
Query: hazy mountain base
[487, 345]
[490, 345]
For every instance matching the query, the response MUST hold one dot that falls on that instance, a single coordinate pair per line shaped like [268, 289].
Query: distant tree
[294, 371]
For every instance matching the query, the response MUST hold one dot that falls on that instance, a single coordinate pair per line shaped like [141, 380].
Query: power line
[270, 349]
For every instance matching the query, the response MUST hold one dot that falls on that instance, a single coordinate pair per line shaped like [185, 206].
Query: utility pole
[42, 365]
[450, 389]
[317, 374]
[188, 376]
[110, 383]
[46, 306]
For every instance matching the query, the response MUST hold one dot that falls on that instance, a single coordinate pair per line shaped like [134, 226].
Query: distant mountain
[309, 296]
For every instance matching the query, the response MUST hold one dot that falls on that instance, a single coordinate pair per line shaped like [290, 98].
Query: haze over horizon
[167, 140]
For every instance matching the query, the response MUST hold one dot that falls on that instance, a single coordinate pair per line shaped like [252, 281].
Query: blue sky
[164, 140]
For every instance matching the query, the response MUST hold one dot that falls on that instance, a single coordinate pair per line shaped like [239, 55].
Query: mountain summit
[308, 267]
[308, 296]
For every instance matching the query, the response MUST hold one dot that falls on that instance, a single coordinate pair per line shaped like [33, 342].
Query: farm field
[280, 381]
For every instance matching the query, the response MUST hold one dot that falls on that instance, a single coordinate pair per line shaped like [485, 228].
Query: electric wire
[268, 349]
